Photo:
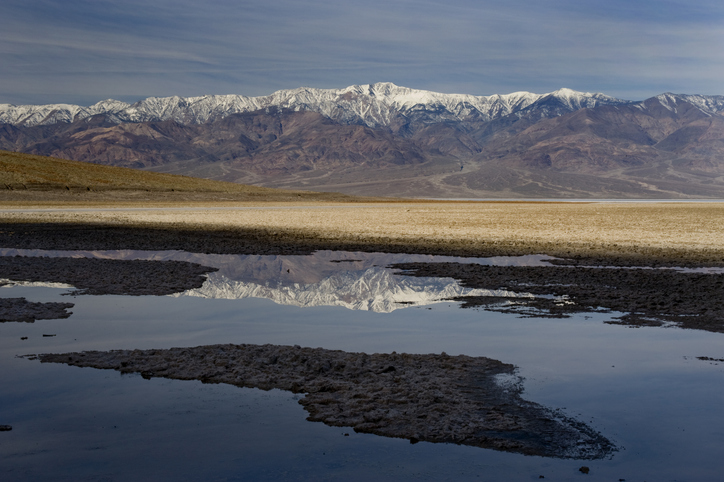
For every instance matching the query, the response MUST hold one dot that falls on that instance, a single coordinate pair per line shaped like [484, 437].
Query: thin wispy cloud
[83, 51]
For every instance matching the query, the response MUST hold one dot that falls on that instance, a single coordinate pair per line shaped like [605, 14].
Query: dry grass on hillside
[29, 179]
[25, 171]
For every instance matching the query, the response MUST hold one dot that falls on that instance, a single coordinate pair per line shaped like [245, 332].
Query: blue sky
[83, 51]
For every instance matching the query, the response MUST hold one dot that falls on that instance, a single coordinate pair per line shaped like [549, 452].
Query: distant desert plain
[51, 195]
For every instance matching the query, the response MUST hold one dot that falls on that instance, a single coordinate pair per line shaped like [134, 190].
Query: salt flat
[609, 233]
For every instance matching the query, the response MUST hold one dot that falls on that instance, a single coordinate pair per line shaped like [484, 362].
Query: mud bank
[432, 398]
[20, 309]
[648, 297]
[106, 276]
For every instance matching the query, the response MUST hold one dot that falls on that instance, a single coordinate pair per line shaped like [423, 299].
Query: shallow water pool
[643, 388]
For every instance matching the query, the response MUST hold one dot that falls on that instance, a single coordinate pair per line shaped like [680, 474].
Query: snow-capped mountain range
[382, 139]
[372, 104]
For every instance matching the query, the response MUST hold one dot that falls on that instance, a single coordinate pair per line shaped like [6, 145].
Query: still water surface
[643, 388]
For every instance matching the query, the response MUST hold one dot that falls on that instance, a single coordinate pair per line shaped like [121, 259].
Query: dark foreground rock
[20, 309]
[433, 398]
[107, 276]
[647, 297]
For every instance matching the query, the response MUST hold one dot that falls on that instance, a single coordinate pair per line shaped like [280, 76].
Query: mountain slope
[665, 146]
[381, 139]
[610, 137]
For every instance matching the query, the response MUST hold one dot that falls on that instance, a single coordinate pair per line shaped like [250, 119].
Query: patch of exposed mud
[107, 276]
[648, 297]
[433, 398]
[20, 309]
[230, 238]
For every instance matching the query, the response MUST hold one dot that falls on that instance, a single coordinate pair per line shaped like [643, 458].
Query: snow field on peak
[372, 104]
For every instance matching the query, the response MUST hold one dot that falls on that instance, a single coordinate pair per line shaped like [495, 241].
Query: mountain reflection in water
[357, 281]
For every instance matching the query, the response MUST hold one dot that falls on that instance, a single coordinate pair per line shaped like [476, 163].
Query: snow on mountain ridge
[372, 104]
[31, 115]
[709, 104]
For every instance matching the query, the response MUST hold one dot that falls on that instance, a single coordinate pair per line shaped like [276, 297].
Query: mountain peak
[384, 88]
[574, 100]
[566, 92]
